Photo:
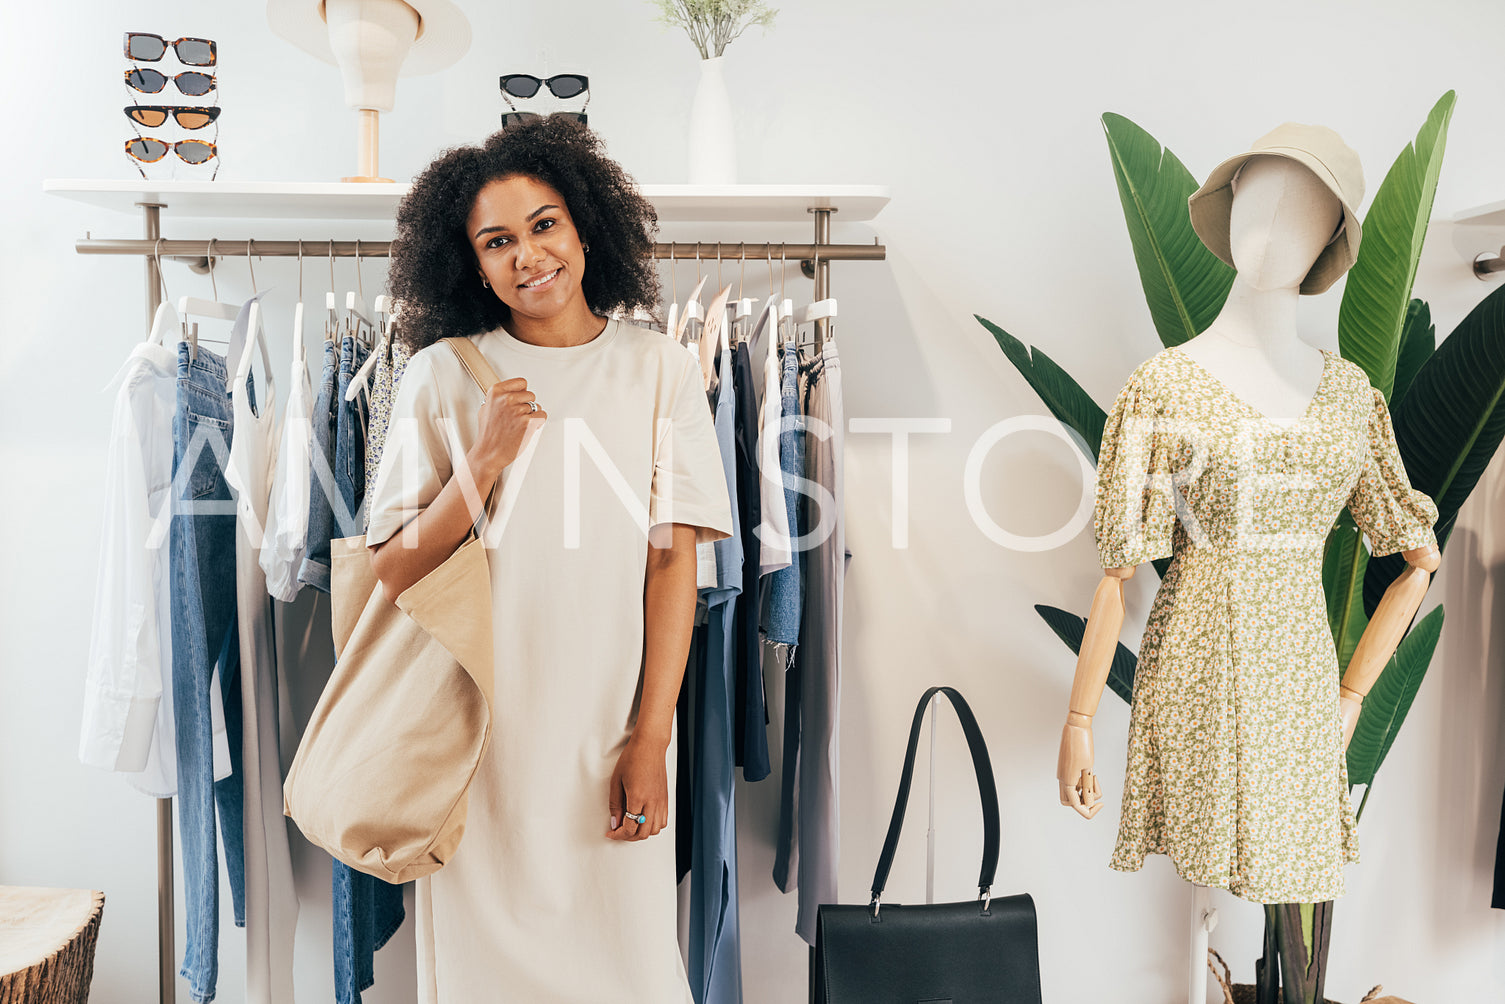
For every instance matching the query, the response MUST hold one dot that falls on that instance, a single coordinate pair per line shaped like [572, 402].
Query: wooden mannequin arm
[1078, 785]
[1377, 644]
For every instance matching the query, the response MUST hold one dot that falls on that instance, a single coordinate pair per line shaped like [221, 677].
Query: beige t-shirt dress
[537, 904]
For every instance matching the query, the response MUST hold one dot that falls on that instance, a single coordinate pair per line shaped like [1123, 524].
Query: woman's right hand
[504, 426]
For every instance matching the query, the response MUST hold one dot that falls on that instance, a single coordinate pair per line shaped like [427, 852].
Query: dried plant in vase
[713, 24]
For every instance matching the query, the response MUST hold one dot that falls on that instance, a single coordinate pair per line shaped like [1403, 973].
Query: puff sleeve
[1392, 514]
[689, 480]
[1135, 515]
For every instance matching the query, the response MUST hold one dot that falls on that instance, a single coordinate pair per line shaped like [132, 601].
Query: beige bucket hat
[1322, 151]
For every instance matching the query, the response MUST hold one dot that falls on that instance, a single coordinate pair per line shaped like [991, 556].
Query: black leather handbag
[983, 951]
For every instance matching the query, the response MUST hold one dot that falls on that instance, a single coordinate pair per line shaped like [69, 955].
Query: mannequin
[1282, 218]
[1288, 231]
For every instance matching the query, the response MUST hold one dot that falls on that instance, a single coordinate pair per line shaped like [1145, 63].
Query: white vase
[713, 144]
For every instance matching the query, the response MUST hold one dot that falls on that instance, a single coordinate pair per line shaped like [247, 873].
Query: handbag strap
[985, 785]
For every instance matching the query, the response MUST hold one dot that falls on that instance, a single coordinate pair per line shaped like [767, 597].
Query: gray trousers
[809, 811]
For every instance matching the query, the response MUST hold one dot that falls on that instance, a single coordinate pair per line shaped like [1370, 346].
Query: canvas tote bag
[381, 775]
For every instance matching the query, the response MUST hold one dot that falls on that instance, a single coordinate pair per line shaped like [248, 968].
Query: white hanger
[819, 310]
[332, 322]
[692, 312]
[355, 304]
[254, 335]
[164, 317]
[361, 382]
[192, 306]
[300, 350]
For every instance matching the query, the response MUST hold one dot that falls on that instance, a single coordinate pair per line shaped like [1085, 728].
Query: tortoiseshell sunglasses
[149, 150]
[150, 81]
[148, 48]
[187, 116]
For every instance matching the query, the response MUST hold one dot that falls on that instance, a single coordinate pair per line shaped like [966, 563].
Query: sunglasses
[149, 48]
[563, 85]
[150, 81]
[188, 117]
[149, 150]
[510, 119]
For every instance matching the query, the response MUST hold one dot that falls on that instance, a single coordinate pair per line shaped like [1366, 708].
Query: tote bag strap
[475, 364]
[985, 785]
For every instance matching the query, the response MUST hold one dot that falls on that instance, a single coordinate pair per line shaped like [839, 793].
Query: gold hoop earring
[585, 247]
[485, 282]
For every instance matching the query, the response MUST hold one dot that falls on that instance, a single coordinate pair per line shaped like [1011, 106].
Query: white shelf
[332, 200]
[1491, 215]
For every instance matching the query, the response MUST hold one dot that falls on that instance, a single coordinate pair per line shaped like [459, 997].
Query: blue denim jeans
[781, 598]
[367, 911]
[315, 568]
[201, 542]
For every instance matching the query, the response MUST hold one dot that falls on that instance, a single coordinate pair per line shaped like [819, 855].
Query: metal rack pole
[198, 249]
[166, 951]
[821, 254]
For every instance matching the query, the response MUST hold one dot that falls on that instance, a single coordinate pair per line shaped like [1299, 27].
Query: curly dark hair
[433, 268]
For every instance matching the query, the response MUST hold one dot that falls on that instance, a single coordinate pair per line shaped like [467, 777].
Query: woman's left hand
[640, 785]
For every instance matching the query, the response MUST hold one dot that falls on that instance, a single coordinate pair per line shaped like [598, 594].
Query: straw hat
[1334, 163]
[443, 32]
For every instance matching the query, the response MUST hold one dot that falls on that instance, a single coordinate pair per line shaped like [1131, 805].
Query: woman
[563, 888]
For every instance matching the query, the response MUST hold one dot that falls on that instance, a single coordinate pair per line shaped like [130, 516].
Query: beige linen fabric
[536, 903]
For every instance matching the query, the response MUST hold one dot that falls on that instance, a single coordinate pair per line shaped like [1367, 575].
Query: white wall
[983, 119]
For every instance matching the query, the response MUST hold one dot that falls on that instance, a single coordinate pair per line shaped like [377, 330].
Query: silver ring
[532, 407]
[640, 818]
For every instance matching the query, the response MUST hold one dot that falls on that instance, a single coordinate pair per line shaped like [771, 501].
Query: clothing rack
[815, 260]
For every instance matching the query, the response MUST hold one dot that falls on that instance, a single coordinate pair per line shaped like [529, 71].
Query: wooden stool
[47, 939]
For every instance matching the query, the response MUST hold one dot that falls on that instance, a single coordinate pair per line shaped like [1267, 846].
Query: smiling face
[527, 247]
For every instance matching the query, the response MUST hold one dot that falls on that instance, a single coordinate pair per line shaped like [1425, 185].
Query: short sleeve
[689, 479]
[415, 461]
[1135, 514]
[1392, 514]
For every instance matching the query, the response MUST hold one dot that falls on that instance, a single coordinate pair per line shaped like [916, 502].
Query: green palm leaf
[1064, 397]
[1390, 698]
[1343, 564]
[1450, 423]
[1418, 340]
[1070, 628]
[1184, 283]
[1378, 293]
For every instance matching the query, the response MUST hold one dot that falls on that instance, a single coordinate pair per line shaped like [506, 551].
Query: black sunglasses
[562, 85]
[150, 81]
[149, 48]
[188, 117]
[510, 119]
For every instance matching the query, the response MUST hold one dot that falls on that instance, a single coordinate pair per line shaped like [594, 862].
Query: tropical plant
[1447, 404]
[713, 24]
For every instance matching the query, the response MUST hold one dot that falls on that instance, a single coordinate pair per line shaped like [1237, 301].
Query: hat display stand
[373, 42]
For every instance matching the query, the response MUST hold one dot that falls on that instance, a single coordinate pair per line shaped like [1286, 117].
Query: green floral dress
[1235, 767]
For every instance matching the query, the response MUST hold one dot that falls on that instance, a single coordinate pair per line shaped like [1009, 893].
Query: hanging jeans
[315, 569]
[205, 643]
[715, 964]
[782, 597]
[366, 910]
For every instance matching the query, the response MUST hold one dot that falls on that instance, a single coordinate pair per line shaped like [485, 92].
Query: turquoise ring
[640, 819]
